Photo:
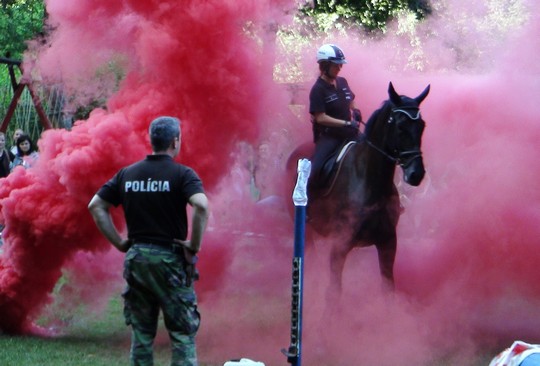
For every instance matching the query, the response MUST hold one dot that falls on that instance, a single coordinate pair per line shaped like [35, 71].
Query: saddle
[331, 167]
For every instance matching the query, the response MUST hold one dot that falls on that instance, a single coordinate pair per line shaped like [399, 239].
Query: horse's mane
[382, 112]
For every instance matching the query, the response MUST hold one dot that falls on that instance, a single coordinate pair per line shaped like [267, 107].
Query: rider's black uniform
[335, 102]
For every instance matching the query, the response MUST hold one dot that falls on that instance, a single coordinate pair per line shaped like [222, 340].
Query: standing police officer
[159, 264]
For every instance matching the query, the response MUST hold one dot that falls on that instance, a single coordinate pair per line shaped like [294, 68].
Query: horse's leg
[330, 322]
[338, 255]
[387, 255]
[332, 307]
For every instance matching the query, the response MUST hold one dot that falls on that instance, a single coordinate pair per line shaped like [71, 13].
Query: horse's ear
[422, 95]
[394, 97]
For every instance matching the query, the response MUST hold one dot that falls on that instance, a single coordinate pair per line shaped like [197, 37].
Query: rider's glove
[352, 124]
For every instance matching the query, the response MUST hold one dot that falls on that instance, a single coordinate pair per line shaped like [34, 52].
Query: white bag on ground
[243, 362]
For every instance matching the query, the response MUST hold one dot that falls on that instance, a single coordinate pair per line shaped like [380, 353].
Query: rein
[399, 160]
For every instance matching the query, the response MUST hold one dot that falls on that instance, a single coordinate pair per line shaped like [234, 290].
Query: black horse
[361, 207]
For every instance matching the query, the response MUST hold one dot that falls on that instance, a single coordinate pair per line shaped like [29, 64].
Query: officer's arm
[199, 202]
[99, 208]
[324, 119]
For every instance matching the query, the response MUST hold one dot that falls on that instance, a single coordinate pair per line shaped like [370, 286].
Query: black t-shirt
[334, 101]
[154, 193]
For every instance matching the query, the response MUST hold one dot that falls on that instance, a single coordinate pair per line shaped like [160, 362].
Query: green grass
[87, 339]
[67, 350]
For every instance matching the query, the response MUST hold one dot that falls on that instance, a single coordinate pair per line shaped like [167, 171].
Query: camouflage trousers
[156, 280]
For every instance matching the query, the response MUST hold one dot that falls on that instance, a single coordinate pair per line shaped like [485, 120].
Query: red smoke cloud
[191, 60]
[466, 266]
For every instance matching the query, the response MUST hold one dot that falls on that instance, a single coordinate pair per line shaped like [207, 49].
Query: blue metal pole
[294, 354]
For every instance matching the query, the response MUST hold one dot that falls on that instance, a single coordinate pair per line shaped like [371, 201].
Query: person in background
[6, 157]
[331, 104]
[16, 134]
[159, 264]
[27, 154]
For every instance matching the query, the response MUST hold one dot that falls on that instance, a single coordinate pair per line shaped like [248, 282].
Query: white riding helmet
[332, 53]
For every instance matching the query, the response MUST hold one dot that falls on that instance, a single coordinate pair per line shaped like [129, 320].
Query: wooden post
[18, 89]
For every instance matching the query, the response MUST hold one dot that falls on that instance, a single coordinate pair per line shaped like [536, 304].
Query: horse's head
[407, 127]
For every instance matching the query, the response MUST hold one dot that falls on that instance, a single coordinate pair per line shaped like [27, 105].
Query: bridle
[401, 158]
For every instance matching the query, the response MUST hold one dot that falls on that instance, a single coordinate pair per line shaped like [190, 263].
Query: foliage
[20, 20]
[319, 19]
[370, 14]
[25, 115]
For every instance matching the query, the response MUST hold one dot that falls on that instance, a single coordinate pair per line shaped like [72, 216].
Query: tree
[20, 20]
[371, 14]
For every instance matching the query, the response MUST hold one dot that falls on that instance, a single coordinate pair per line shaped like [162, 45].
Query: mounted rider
[334, 116]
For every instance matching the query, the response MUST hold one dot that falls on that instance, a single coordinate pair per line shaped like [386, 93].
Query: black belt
[192, 274]
[175, 248]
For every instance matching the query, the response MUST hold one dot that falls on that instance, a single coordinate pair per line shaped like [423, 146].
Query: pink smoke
[466, 268]
[189, 60]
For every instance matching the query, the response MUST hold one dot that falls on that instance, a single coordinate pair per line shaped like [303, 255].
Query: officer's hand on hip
[124, 245]
[186, 244]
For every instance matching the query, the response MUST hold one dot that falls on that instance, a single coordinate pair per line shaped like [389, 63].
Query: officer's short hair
[163, 131]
